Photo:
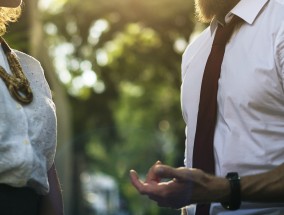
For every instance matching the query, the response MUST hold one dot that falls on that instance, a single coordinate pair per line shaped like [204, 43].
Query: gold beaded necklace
[17, 83]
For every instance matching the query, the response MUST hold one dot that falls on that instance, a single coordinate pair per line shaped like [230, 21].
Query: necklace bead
[17, 83]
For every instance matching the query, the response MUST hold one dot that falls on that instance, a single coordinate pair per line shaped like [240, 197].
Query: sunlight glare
[180, 45]
[89, 78]
[77, 84]
[102, 57]
[96, 31]
[51, 5]
[99, 87]
[64, 76]
[50, 28]
[85, 65]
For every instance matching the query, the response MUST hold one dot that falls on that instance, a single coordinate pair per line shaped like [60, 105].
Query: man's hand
[183, 186]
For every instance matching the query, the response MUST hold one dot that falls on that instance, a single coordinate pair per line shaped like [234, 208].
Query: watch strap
[234, 202]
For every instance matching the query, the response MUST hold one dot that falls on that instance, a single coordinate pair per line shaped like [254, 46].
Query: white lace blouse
[27, 132]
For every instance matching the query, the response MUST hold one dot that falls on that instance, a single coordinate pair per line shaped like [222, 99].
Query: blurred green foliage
[133, 117]
[120, 62]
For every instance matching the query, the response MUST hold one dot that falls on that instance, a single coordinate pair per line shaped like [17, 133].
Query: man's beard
[205, 10]
[208, 9]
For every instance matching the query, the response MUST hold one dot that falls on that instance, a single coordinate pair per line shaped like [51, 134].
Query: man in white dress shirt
[249, 133]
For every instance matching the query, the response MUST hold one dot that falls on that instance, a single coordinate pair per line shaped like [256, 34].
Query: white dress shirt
[27, 132]
[249, 135]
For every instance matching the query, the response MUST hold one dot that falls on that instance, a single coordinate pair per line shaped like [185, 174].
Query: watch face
[232, 176]
[10, 3]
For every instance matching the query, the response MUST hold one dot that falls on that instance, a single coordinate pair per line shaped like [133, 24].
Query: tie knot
[224, 33]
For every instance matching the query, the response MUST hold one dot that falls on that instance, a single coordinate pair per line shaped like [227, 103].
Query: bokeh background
[114, 70]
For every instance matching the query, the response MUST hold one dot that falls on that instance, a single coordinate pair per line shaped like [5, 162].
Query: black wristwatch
[234, 202]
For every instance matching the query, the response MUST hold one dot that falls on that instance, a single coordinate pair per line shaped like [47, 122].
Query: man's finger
[137, 183]
[182, 174]
[135, 179]
[151, 176]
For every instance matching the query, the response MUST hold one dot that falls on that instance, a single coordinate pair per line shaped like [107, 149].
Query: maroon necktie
[203, 155]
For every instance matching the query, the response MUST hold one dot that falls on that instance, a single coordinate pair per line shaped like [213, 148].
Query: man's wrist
[234, 200]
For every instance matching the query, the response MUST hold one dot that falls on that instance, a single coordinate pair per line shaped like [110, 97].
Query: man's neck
[227, 7]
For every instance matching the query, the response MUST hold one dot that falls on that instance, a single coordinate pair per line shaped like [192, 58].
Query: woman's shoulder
[24, 56]
[27, 61]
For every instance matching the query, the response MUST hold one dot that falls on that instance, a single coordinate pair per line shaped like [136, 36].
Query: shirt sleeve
[280, 51]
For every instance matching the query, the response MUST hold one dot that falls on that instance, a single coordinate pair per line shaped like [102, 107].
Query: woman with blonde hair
[28, 180]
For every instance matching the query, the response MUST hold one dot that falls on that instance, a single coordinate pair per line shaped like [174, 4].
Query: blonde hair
[8, 15]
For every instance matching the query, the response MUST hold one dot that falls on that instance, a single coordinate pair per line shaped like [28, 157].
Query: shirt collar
[248, 10]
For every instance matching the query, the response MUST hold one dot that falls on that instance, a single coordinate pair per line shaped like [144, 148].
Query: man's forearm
[265, 187]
